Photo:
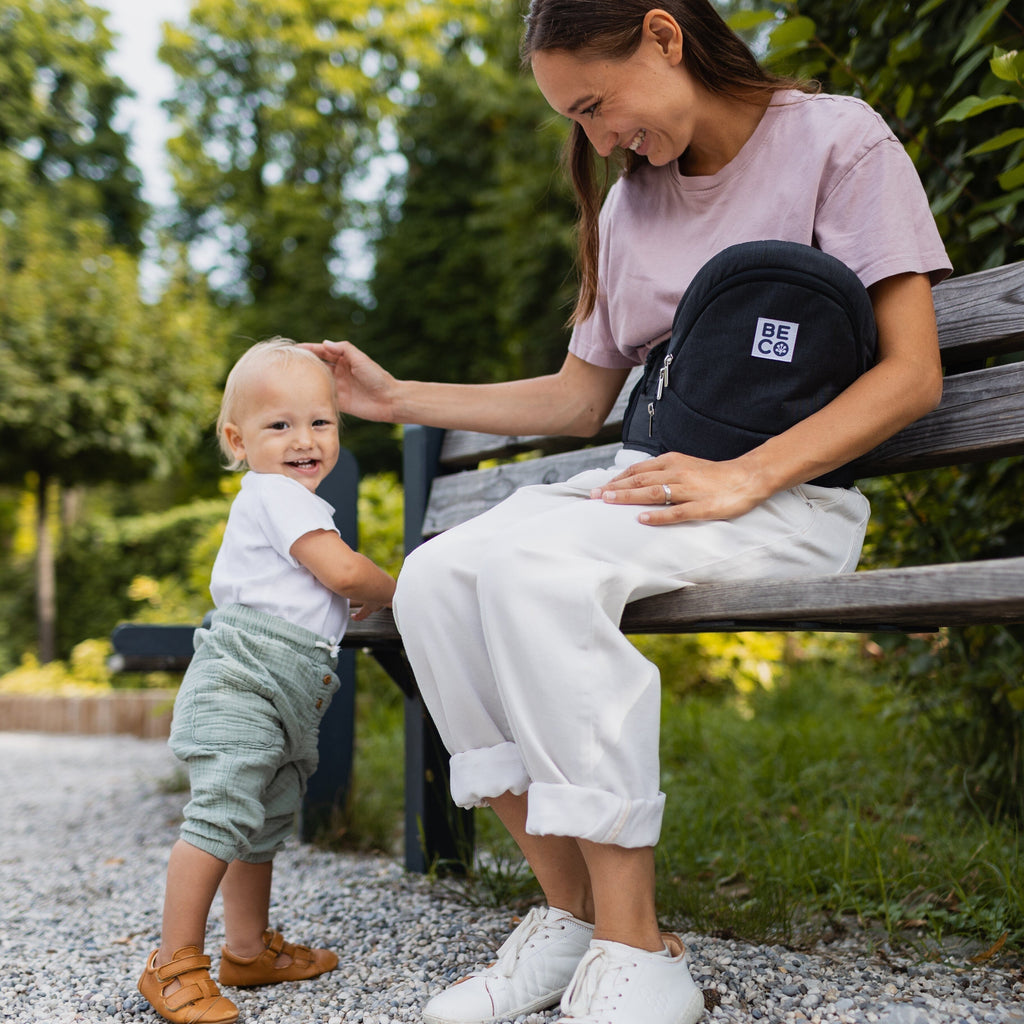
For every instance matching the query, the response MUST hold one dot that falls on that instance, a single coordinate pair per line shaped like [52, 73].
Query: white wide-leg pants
[510, 622]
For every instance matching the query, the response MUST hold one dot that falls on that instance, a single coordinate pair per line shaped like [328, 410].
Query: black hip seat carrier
[766, 334]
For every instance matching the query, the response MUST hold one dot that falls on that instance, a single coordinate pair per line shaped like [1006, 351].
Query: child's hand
[364, 611]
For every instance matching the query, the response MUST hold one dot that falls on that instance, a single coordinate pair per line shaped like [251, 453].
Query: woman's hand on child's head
[364, 388]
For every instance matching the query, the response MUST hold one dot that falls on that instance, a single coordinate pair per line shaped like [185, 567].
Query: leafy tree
[474, 263]
[945, 74]
[278, 105]
[95, 385]
[57, 106]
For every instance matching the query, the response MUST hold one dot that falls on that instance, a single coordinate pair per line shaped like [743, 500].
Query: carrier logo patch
[775, 339]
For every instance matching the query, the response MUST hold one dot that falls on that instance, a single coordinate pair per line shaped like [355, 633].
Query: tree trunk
[46, 576]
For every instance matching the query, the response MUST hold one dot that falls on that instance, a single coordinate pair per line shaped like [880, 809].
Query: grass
[809, 805]
[795, 811]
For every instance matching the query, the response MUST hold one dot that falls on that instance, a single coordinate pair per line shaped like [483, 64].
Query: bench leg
[438, 835]
[327, 792]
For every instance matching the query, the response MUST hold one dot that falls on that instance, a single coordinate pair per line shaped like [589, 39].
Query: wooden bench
[980, 418]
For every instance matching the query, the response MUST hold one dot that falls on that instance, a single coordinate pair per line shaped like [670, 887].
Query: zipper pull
[663, 376]
[650, 419]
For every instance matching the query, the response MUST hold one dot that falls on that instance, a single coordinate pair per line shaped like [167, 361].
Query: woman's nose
[601, 139]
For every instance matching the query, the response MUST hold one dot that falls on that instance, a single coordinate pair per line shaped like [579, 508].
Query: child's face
[287, 424]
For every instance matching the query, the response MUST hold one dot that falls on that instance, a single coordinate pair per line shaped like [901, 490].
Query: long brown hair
[612, 29]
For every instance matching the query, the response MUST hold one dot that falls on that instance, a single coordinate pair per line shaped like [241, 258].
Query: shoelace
[509, 952]
[592, 984]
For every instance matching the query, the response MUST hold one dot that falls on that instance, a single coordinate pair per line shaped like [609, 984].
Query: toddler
[247, 717]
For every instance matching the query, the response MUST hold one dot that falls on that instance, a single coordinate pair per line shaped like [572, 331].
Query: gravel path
[85, 836]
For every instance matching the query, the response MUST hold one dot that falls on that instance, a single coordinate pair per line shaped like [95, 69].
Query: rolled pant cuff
[215, 848]
[478, 775]
[593, 814]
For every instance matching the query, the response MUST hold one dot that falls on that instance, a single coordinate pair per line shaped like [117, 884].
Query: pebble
[87, 827]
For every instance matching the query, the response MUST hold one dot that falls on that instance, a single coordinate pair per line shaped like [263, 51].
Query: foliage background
[302, 125]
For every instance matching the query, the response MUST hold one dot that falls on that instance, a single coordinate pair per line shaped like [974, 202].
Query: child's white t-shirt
[254, 566]
[819, 169]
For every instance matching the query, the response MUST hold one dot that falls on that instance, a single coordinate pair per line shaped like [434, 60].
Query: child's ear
[233, 437]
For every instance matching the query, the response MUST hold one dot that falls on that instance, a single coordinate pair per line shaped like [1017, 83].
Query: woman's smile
[638, 140]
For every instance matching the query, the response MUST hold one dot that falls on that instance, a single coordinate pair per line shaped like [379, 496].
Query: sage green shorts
[246, 722]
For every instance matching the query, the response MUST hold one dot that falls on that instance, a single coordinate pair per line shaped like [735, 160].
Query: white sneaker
[617, 984]
[534, 965]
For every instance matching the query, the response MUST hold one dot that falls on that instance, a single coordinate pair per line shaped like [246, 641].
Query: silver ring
[668, 494]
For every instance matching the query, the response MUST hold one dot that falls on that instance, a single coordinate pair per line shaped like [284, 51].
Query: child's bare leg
[193, 876]
[254, 954]
[246, 893]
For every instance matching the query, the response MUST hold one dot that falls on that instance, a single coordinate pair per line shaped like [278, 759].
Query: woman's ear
[660, 26]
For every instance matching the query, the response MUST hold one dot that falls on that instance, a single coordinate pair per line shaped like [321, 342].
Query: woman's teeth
[638, 139]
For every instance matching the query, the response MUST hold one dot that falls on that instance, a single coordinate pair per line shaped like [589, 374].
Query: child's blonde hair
[258, 360]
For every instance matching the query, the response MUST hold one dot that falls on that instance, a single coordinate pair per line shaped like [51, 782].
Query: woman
[510, 621]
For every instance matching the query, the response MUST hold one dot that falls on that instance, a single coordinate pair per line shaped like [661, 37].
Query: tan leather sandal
[198, 1001]
[262, 969]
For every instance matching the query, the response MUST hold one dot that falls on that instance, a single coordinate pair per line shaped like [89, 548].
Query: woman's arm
[574, 401]
[904, 384]
[344, 571]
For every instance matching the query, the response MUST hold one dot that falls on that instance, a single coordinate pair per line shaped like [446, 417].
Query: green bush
[100, 559]
[961, 689]
[84, 673]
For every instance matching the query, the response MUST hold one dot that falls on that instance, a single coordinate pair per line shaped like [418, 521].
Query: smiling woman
[549, 713]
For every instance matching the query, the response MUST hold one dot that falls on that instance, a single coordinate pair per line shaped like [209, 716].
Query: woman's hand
[687, 487]
[364, 388]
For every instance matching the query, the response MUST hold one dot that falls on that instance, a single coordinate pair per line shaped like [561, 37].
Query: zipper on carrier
[663, 376]
[662, 384]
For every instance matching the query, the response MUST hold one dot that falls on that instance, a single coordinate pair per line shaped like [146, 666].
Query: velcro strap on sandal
[176, 968]
[204, 988]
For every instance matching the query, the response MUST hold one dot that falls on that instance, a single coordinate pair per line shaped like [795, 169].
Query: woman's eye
[589, 111]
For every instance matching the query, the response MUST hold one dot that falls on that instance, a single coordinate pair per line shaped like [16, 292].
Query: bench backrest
[981, 416]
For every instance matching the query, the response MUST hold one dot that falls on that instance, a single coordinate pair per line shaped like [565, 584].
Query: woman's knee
[436, 580]
[423, 571]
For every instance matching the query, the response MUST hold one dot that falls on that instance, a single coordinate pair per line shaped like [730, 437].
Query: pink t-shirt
[819, 169]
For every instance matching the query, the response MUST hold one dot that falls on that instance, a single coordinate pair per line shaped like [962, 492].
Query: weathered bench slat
[980, 314]
[139, 647]
[981, 416]
[915, 599]
[461, 496]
